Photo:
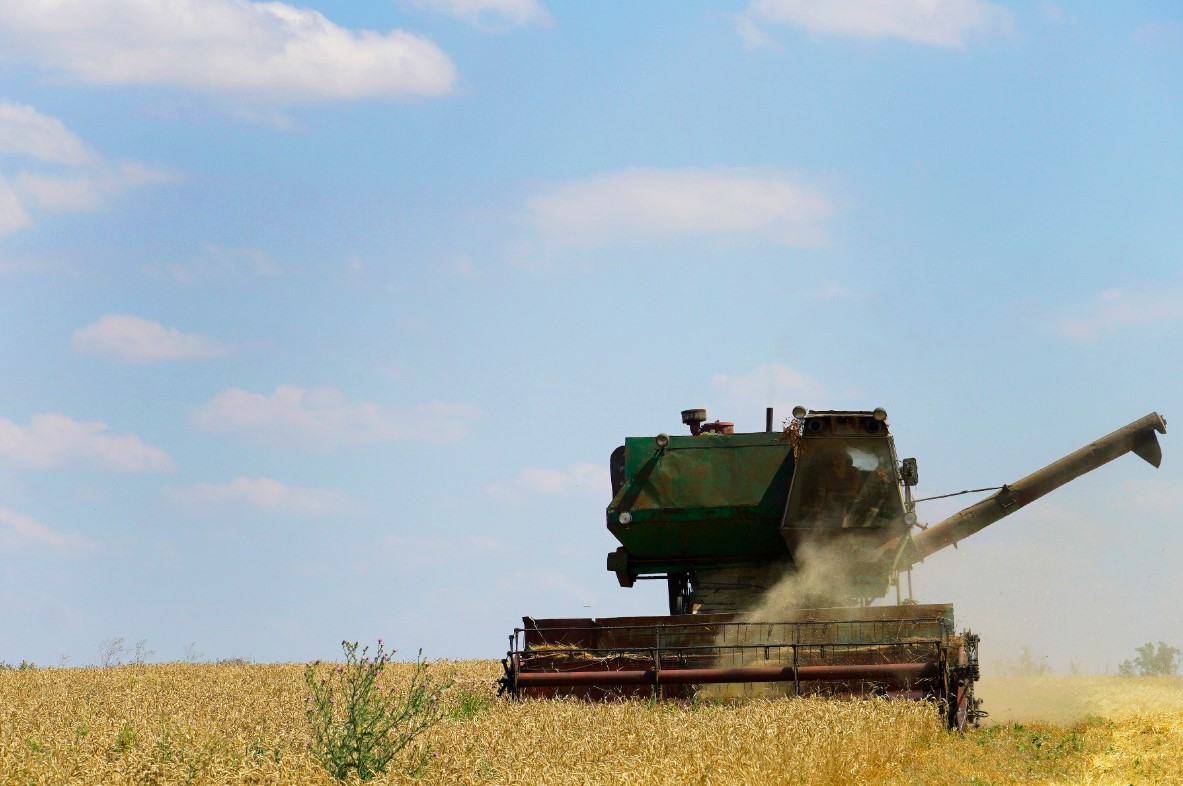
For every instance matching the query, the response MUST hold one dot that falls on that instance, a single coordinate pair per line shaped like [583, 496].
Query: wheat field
[207, 724]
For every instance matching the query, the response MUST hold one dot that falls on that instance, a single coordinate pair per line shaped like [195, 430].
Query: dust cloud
[823, 578]
[1063, 700]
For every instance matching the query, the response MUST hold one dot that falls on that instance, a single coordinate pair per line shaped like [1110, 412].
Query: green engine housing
[724, 516]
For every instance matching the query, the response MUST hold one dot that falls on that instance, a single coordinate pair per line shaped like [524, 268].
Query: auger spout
[1137, 437]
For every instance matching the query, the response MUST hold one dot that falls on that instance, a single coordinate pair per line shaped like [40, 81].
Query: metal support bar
[796, 674]
[835, 673]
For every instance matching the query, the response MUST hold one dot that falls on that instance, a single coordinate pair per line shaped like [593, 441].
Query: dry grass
[178, 724]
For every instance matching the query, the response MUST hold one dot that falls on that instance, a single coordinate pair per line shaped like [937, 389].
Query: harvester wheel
[679, 592]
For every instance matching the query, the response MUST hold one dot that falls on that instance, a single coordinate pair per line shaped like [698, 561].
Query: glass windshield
[842, 484]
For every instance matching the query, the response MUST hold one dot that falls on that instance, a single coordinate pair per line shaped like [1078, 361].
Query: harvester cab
[774, 545]
[847, 497]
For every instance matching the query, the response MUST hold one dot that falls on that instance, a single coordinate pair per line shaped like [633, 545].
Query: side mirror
[909, 473]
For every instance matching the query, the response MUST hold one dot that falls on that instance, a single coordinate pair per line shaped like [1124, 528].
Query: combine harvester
[774, 545]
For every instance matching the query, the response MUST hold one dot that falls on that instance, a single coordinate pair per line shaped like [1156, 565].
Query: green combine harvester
[774, 545]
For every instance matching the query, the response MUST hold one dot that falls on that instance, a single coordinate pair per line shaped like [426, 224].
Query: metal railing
[901, 651]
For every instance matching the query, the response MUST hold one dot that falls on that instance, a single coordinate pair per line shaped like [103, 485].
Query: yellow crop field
[205, 724]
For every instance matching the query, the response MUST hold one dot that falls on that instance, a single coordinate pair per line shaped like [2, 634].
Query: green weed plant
[361, 722]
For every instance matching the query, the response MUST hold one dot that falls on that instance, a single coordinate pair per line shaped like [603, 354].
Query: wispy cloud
[264, 51]
[1055, 14]
[135, 340]
[53, 440]
[1164, 36]
[57, 171]
[768, 385]
[261, 494]
[831, 290]
[490, 14]
[22, 528]
[557, 589]
[657, 204]
[86, 190]
[581, 478]
[753, 36]
[1153, 497]
[322, 418]
[435, 547]
[217, 264]
[1116, 308]
[945, 23]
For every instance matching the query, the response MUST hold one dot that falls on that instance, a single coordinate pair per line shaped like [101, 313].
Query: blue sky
[320, 321]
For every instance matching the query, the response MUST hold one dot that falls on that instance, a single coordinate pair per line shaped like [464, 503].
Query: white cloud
[769, 385]
[265, 51]
[136, 340]
[12, 213]
[653, 204]
[1114, 308]
[74, 192]
[584, 478]
[26, 132]
[265, 494]
[490, 13]
[54, 440]
[25, 528]
[321, 418]
[68, 175]
[935, 22]
[88, 190]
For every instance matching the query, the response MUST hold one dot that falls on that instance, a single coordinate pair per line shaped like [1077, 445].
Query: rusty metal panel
[899, 650]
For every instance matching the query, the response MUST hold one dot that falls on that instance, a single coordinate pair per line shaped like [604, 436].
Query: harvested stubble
[180, 724]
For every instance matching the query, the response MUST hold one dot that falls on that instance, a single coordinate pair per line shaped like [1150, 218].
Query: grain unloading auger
[774, 545]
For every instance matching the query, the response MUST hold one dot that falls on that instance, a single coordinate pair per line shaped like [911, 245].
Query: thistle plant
[361, 722]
